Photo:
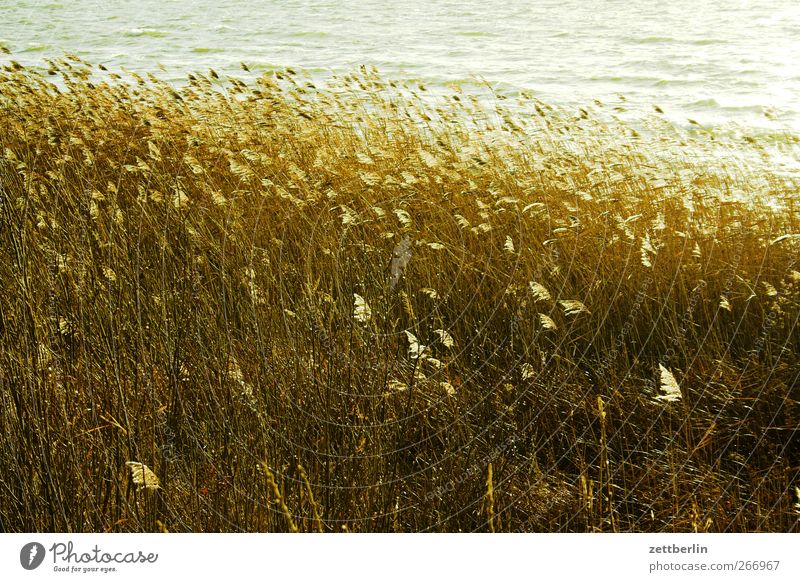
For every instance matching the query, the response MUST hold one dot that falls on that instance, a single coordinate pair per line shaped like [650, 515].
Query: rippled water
[718, 62]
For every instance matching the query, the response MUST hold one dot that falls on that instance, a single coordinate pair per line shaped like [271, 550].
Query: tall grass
[362, 307]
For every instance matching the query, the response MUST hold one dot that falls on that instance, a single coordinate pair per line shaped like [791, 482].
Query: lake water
[721, 63]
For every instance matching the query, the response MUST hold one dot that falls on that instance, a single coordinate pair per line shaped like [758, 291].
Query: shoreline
[305, 308]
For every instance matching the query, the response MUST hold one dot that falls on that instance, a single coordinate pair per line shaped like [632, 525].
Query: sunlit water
[722, 63]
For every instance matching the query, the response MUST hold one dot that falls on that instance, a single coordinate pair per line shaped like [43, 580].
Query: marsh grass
[363, 307]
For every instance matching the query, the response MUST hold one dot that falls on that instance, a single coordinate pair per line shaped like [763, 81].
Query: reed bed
[270, 305]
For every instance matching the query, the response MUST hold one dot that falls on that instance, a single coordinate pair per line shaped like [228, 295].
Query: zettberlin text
[674, 549]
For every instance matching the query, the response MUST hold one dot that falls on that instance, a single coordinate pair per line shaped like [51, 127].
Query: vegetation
[270, 306]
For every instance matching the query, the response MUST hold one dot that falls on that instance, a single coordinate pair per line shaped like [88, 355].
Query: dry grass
[434, 313]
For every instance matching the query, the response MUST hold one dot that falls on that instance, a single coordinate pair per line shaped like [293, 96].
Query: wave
[678, 82]
[35, 48]
[624, 78]
[475, 33]
[707, 41]
[650, 39]
[309, 34]
[151, 32]
[710, 102]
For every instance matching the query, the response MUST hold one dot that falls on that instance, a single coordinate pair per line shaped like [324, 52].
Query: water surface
[721, 63]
